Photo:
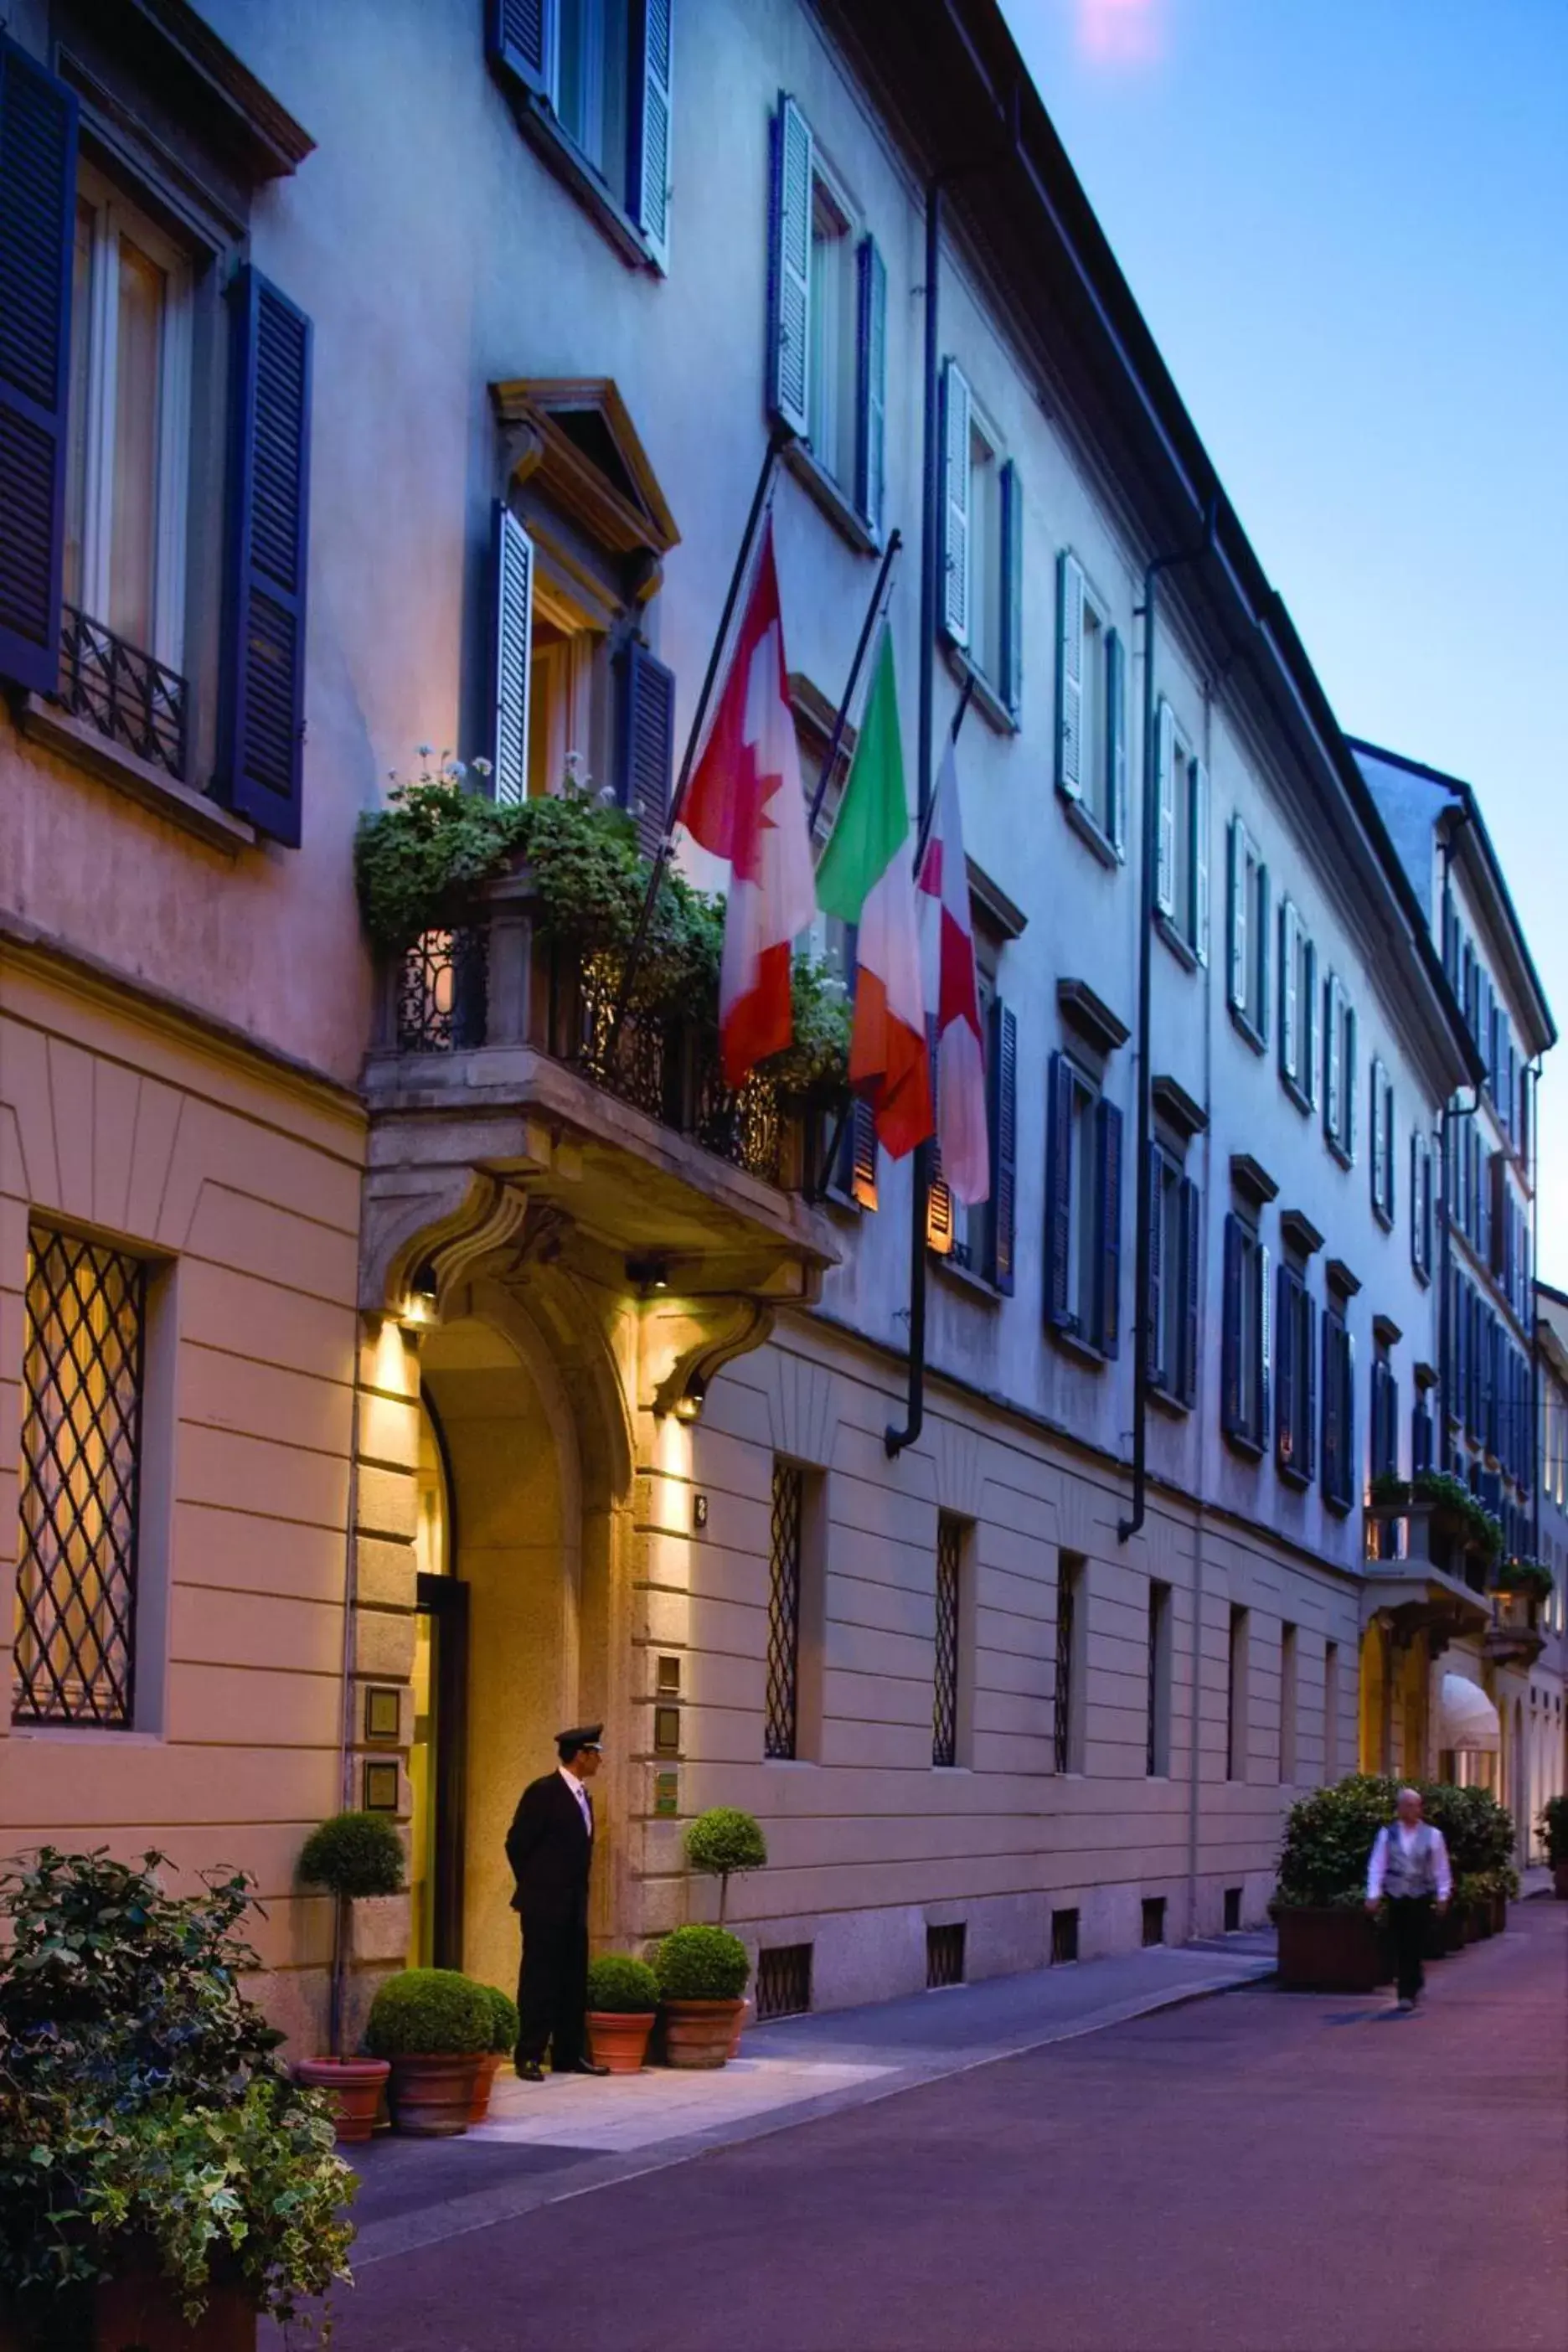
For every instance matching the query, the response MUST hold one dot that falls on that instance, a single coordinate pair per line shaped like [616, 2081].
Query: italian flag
[868, 877]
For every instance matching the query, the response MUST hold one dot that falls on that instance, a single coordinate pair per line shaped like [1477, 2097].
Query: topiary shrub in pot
[356, 1857]
[1552, 1824]
[721, 1841]
[503, 2042]
[1327, 1941]
[434, 2024]
[702, 1974]
[623, 2002]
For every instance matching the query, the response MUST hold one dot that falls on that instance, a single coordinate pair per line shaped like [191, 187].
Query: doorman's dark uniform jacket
[551, 1850]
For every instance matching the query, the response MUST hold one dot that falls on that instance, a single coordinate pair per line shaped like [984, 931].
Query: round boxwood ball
[354, 1855]
[725, 1839]
[428, 2012]
[701, 1964]
[620, 1986]
[504, 2020]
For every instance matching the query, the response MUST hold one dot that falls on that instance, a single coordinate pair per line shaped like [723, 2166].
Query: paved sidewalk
[557, 2140]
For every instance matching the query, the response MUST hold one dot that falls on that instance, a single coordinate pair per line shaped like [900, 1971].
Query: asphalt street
[1262, 2172]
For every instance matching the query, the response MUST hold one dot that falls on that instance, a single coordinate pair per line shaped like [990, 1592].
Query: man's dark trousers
[1409, 1926]
[552, 1990]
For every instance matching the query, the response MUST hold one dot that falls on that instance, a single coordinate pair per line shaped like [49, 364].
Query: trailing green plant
[1485, 1534]
[814, 1067]
[621, 1986]
[701, 1964]
[354, 1855]
[142, 2103]
[1390, 1490]
[1441, 1491]
[1552, 1822]
[1531, 1579]
[1329, 1839]
[428, 2012]
[722, 1842]
[505, 2023]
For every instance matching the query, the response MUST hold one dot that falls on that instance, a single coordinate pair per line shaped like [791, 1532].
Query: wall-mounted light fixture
[420, 1300]
[688, 1406]
[648, 1274]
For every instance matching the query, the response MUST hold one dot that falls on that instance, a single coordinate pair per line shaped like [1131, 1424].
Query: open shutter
[1333, 1113]
[1233, 1414]
[1259, 944]
[1332, 1387]
[38, 228]
[789, 277]
[1290, 1042]
[261, 722]
[1058, 1191]
[1265, 1348]
[1285, 1386]
[1012, 681]
[1069, 675]
[1107, 1230]
[1352, 1095]
[1375, 1076]
[1191, 1302]
[1116, 737]
[939, 1193]
[1160, 1375]
[871, 366]
[1165, 789]
[1416, 1259]
[647, 745]
[1201, 861]
[1309, 1014]
[1347, 1415]
[511, 652]
[1308, 1464]
[854, 1172]
[648, 179]
[955, 503]
[522, 37]
[1002, 1103]
[1237, 879]
[1390, 1164]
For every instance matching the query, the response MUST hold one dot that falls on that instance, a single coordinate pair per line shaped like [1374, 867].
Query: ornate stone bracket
[687, 1341]
[454, 1227]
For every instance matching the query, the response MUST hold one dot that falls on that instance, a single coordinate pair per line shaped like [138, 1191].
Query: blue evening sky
[1345, 222]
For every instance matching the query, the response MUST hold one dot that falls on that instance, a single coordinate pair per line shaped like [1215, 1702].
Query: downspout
[1448, 1114]
[898, 1439]
[1146, 611]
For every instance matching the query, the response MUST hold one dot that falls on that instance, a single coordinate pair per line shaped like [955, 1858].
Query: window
[1339, 1410]
[1154, 1920]
[77, 1584]
[981, 1239]
[1245, 1340]
[830, 396]
[1298, 1010]
[1330, 1710]
[784, 1981]
[1423, 1436]
[944, 1956]
[1235, 1703]
[1176, 1277]
[945, 1697]
[1421, 1217]
[1249, 941]
[982, 549]
[1338, 1071]
[1296, 1379]
[1064, 1937]
[1157, 1748]
[1083, 1188]
[783, 1721]
[1288, 1646]
[592, 78]
[1067, 1740]
[1091, 708]
[1182, 864]
[1381, 1154]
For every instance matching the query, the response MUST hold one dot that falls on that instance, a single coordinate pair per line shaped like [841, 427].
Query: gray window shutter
[1012, 681]
[1002, 1101]
[1309, 1319]
[522, 37]
[955, 503]
[1285, 1406]
[1192, 1286]
[790, 266]
[1333, 1081]
[1058, 1192]
[1161, 1375]
[1201, 860]
[1233, 1417]
[1290, 1042]
[1069, 675]
[1116, 737]
[1107, 1230]
[1265, 1348]
[1310, 1024]
[1165, 788]
[647, 745]
[871, 435]
[652, 59]
[1352, 1122]
[511, 648]
[1237, 987]
[1259, 945]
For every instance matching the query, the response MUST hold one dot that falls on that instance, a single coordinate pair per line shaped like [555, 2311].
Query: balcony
[123, 694]
[493, 1058]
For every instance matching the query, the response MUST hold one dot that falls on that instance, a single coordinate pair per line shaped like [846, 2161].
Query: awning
[1466, 1718]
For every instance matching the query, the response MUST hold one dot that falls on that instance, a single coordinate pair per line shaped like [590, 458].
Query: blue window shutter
[939, 1193]
[955, 436]
[1265, 1349]
[1201, 861]
[1421, 1436]
[1011, 680]
[1308, 1416]
[511, 654]
[37, 229]
[1161, 1375]
[1166, 800]
[789, 372]
[1238, 926]
[1347, 1416]
[261, 722]
[1332, 1404]
[1116, 737]
[647, 744]
[1058, 1192]
[1108, 1231]
[1233, 1414]
[1289, 1037]
[1002, 1103]
[648, 101]
[1260, 955]
[1192, 1289]
[1285, 1384]
[1069, 677]
[520, 37]
[872, 371]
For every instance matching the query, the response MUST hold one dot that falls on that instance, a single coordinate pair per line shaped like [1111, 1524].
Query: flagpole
[894, 541]
[778, 441]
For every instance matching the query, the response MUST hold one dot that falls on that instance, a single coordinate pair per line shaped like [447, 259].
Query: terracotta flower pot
[1330, 1950]
[484, 2084]
[701, 2032]
[618, 2038]
[741, 2024]
[142, 2310]
[432, 2094]
[354, 2086]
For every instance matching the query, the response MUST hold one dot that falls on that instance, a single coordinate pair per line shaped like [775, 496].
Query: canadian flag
[947, 939]
[745, 804]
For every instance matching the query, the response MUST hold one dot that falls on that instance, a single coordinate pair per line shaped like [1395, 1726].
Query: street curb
[456, 2217]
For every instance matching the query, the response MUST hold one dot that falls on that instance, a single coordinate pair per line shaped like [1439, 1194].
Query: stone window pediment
[571, 446]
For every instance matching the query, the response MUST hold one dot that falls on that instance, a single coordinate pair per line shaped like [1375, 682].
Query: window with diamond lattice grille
[783, 1612]
[944, 1708]
[1066, 1726]
[81, 1444]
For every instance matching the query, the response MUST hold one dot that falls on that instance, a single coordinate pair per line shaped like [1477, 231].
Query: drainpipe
[898, 1439]
[1146, 612]
[1451, 1113]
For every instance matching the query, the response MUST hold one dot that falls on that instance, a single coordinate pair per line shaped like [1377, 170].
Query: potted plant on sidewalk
[623, 2002]
[1554, 1827]
[1327, 1941]
[702, 1974]
[503, 2042]
[434, 2025]
[720, 1843]
[358, 1858]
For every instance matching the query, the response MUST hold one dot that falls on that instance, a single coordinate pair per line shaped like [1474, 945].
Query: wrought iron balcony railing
[122, 692]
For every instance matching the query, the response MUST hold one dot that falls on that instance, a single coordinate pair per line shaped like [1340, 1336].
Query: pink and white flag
[948, 945]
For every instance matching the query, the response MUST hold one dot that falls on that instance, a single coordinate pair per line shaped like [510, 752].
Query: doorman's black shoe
[582, 2066]
[530, 2071]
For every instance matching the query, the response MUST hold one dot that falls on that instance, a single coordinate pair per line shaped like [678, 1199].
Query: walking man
[549, 1846]
[1409, 1867]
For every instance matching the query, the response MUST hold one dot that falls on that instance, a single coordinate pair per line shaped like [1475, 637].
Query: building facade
[1546, 1732]
[473, 1394]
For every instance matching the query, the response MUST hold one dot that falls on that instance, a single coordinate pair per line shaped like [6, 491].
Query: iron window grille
[944, 1956]
[944, 1704]
[784, 1981]
[122, 692]
[1067, 1604]
[783, 1612]
[80, 1491]
[1154, 1920]
[1064, 1937]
